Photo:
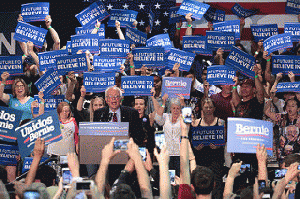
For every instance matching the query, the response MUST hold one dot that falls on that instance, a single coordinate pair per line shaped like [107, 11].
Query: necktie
[115, 119]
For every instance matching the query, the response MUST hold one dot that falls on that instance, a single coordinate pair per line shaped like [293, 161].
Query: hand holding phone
[121, 144]
[187, 114]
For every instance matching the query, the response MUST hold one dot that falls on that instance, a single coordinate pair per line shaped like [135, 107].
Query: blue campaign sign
[98, 82]
[174, 17]
[185, 59]
[207, 135]
[162, 40]
[77, 63]
[229, 26]
[137, 85]
[84, 31]
[214, 15]
[9, 121]
[68, 47]
[174, 86]
[11, 64]
[35, 11]
[278, 42]
[85, 42]
[114, 47]
[8, 155]
[151, 57]
[47, 59]
[220, 75]
[28, 161]
[217, 39]
[241, 61]
[294, 29]
[106, 64]
[244, 134]
[125, 17]
[135, 36]
[263, 32]
[104, 128]
[285, 63]
[288, 87]
[25, 32]
[89, 16]
[239, 11]
[292, 7]
[51, 101]
[48, 82]
[196, 44]
[195, 7]
[45, 126]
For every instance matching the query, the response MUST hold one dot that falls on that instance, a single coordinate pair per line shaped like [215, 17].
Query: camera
[31, 194]
[245, 168]
[84, 185]
[187, 114]
[160, 139]
[121, 144]
[67, 177]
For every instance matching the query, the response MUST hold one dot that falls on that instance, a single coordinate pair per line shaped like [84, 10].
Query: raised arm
[97, 26]
[235, 96]
[185, 176]
[81, 99]
[177, 35]
[268, 75]
[41, 105]
[189, 30]
[261, 155]
[54, 34]
[232, 174]
[258, 84]
[3, 96]
[71, 86]
[120, 33]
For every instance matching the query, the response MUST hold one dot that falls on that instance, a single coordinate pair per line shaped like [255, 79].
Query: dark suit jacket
[128, 114]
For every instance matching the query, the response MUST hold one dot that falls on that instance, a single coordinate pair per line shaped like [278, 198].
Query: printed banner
[45, 126]
[196, 44]
[135, 36]
[263, 32]
[8, 155]
[89, 16]
[285, 63]
[220, 75]
[174, 17]
[151, 57]
[25, 32]
[185, 59]
[292, 7]
[278, 42]
[288, 87]
[114, 47]
[241, 61]
[77, 63]
[84, 31]
[174, 86]
[104, 128]
[35, 11]
[51, 102]
[216, 40]
[246, 133]
[48, 82]
[47, 59]
[162, 40]
[85, 42]
[28, 161]
[294, 30]
[137, 85]
[229, 26]
[195, 7]
[9, 121]
[207, 135]
[239, 11]
[98, 82]
[11, 64]
[125, 17]
[105, 64]
[214, 15]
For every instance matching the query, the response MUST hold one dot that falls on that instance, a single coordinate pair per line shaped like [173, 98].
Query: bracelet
[2, 84]
[178, 28]
[42, 102]
[49, 27]
[189, 25]
[97, 28]
[184, 137]
[234, 87]
[233, 111]
[268, 59]
[24, 55]
[256, 76]
[163, 106]
[256, 52]
[131, 66]
[81, 96]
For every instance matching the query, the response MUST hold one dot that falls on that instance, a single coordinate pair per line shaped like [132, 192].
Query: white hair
[115, 88]
[175, 101]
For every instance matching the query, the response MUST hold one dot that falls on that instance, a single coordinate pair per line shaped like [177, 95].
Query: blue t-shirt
[26, 108]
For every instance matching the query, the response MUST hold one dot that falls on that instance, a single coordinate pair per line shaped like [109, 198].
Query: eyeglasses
[114, 97]
[20, 86]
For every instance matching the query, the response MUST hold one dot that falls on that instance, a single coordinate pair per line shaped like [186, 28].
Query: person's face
[292, 133]
[65, 112]
[20, 89]
[226, 88]
[113, 99]
[139, 105]
[204, 74]
[175, 110]
[291, 107]
[98, 103]
[246, 90]
[208, 108]
[157, 83]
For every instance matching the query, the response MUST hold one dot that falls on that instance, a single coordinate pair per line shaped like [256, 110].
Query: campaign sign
[137, 85]
[162, 40]
[35, 11]
[214, 15]
[104, 128]
[77, 63]
[185, 59]
[98, 82]
[125, 17]
[45, 126]
[244, 134]
[68, 47]
[135, 36]
[47, 59]
[207, 135]
[285, 63]
[288, 87]
[28, 161]
[241, 61]
[263, 32]
[51, 101]
[239, 11]
[106, 64]
[8, 155]
[220, 75]
[294, 29]
[11, 64]
[151, 57]
[292, 7]
[84, 31]
[174, 17]
[228, 26]
[217, 39]
[85, 42]
[9, 120]
[48, 82]
[278, 42]
[89, 16]
[192, 6]
[114, 47]
[195, 44]
[174, 86]
[25, 32]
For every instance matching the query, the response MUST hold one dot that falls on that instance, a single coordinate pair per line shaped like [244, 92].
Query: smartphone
[262, 185]
[67, 177]
[121, 144]
[187, 114]
[280, 173]
[84, 185]
[245, 168]
[31, 195]
[63, 159]
[143, 153]
[172, 176]
[160, 139]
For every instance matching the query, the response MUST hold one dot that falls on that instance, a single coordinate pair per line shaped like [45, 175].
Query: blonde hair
[92, 104]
